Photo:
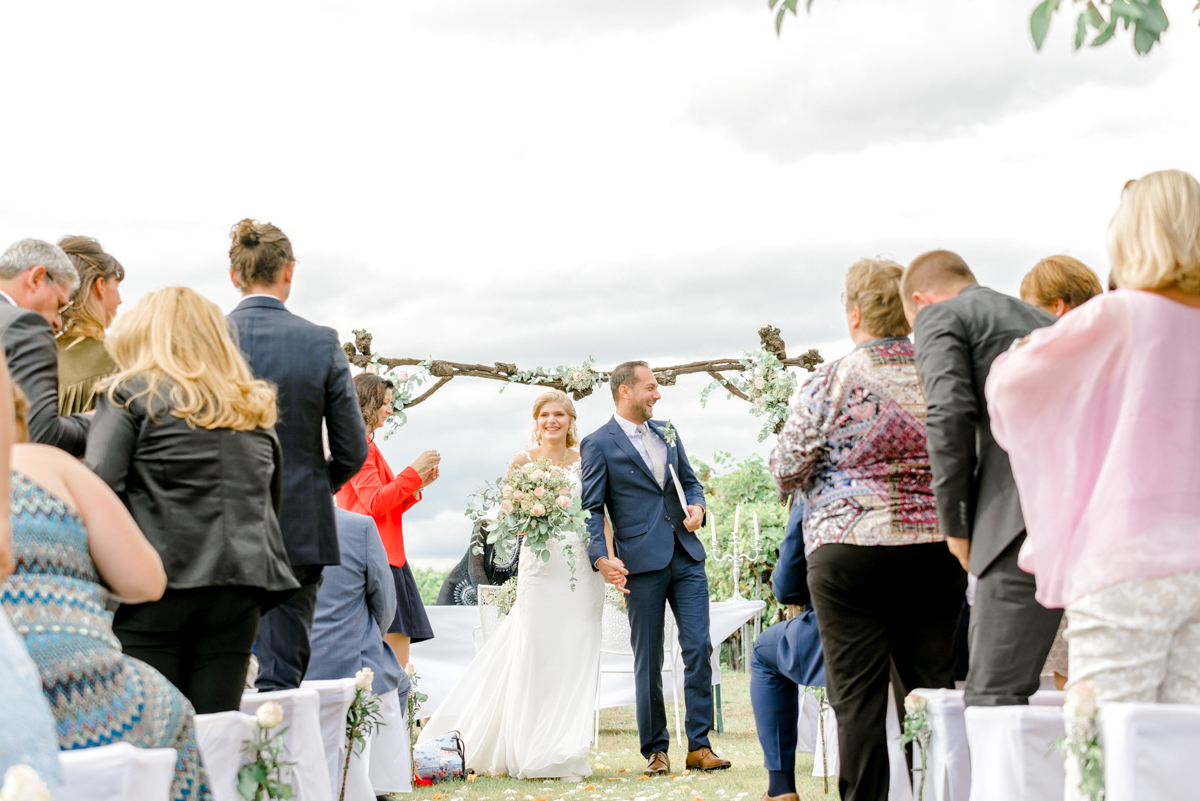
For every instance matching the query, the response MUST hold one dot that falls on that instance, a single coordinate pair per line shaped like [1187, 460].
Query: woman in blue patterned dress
[71, 538]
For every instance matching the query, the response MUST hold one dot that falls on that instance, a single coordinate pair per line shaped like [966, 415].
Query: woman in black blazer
[184, 435]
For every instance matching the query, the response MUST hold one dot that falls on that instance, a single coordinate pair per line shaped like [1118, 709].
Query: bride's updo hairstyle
[259, 251]
[564, 400]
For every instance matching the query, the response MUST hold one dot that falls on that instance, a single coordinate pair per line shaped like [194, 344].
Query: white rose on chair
[525, 509]
[364, 679]
[269, 715]
[22, 783]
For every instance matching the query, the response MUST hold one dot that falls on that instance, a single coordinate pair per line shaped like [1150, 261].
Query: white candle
[756, 531]
[737, 517]
[712, 530]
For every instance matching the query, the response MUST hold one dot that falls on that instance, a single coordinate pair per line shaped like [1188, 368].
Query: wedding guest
[1098, 415]
[36, 280]
[183, 433]
[884, 586]
[82, 358]
[959, 328]
[1059, 284]
[355, 606]
[379, 493]
[311, 375]
[75, 544]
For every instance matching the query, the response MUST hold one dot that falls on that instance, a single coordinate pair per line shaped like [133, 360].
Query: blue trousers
[776, 702]
[684, 585]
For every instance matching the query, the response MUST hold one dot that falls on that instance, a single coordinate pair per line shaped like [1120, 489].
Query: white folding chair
[336, 697]
[221, 737]
[615, 640]
[1012, 752]
[117, 772]
[302, 741]
[489, 615]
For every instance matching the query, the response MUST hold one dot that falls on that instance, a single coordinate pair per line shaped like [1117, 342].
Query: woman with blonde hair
[1098, 416]
[524, 706]
[82, 358]
[184, 435]
[1059, 284]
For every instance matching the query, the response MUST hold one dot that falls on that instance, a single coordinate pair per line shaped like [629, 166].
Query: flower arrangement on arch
[766, 382]
[262, 778]
[535, 501]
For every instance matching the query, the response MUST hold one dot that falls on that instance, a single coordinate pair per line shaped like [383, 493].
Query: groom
[659, 558]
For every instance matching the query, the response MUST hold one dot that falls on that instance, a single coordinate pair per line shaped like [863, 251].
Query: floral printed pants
[1139, 640]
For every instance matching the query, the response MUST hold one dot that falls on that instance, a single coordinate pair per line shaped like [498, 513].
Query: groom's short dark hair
[622, 376]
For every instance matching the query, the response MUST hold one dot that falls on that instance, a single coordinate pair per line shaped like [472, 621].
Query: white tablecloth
[1149, 751]
[442, 660]
[117, 772]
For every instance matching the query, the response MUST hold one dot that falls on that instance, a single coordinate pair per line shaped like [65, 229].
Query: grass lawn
[617, 766]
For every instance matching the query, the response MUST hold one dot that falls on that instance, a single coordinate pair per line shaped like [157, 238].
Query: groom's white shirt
[638, 441]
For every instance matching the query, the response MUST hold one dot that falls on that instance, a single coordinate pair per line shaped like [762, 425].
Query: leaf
[247, 785]
[1106, 33]
[779, 22]
[1081, 31]
[1039, 22]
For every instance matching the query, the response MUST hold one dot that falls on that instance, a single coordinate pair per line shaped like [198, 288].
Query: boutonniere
[669, 434]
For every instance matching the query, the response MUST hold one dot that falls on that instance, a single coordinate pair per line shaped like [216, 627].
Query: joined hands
[614, 572]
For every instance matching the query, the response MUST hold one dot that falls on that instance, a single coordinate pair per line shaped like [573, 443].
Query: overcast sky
[540, 180]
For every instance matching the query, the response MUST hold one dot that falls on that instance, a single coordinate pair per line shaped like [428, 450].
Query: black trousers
[878, 606]
[284, 641]
[1010, 633]
[199, 639]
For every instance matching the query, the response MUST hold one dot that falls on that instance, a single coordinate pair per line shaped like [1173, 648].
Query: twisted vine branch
[360, 354]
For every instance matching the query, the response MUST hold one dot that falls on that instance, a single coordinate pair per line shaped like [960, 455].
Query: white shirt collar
[261, 295]
[628, 426]
[7, 297]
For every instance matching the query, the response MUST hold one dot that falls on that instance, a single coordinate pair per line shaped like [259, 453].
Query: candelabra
[735, 555]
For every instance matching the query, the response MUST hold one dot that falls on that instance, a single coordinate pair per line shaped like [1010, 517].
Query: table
[442, 661]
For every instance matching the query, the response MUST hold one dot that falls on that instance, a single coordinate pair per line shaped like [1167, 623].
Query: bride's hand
[614, 572]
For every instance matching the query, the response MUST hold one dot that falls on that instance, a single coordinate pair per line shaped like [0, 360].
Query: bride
[524, 706]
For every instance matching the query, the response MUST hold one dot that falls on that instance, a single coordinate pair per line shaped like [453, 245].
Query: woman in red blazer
[385, 496]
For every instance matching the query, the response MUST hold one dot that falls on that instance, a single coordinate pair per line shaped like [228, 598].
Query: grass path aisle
[616, 766]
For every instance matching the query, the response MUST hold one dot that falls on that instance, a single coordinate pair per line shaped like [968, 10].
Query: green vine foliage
[262, 778]
[726, 484]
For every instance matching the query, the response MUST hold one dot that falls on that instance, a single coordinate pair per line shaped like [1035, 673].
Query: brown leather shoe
[705, 759]
[784, 797]
[659, 765]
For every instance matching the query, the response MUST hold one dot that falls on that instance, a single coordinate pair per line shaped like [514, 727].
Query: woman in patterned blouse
[885, 588]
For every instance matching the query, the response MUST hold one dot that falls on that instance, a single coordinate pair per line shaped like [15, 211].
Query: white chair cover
[390, 767]
[948, 775]
[117, 772]
[1011, 752]
[1148, 751]
[899, 788]
[221, 737]
[302, 740]
[336, 697]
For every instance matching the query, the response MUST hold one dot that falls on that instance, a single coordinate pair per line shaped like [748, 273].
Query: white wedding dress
[524, 706]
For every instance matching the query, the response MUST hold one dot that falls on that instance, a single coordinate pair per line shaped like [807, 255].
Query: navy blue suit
[666, 565]
[312, 375]
[786, 656]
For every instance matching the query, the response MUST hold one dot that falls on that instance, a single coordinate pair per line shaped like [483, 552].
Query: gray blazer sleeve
[381, 590]
[33, 362]
[945, 366]
[343, 421]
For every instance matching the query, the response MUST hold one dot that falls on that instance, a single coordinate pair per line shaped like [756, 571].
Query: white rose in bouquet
[507, 507]
[1080, 701]
[269, 715]
[563, 502]
[22, 783]
[507, 491]
[364, 679]
[759, 383]
[540, 491]
[538, 510]
[915, 703]
[537, 475]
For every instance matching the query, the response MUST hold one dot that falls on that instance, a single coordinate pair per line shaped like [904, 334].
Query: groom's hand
[614, 572]
[695, 517]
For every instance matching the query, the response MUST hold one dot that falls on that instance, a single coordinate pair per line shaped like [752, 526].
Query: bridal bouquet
[534, 502]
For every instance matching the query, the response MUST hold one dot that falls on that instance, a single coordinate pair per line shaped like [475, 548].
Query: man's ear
[35, 277]
[288, 269]
[233, 277]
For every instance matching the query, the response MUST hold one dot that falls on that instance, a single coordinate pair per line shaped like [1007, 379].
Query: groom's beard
[645, 412]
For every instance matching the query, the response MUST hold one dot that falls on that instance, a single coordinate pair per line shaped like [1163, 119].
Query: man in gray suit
[36, 281]
[959, 328]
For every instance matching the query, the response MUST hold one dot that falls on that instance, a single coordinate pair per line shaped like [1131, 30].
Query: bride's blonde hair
[563, 399]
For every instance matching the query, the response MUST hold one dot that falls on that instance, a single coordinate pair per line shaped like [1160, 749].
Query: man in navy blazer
[310, 370]
[627, 466]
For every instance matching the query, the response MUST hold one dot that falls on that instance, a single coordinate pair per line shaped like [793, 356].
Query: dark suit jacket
[789, 579]
[355, 605]
[311, 372]
[205, 499]
[646, 519]
[956, 342]
[33, 362]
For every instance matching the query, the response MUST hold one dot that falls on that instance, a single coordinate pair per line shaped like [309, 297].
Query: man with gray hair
[36, 281]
